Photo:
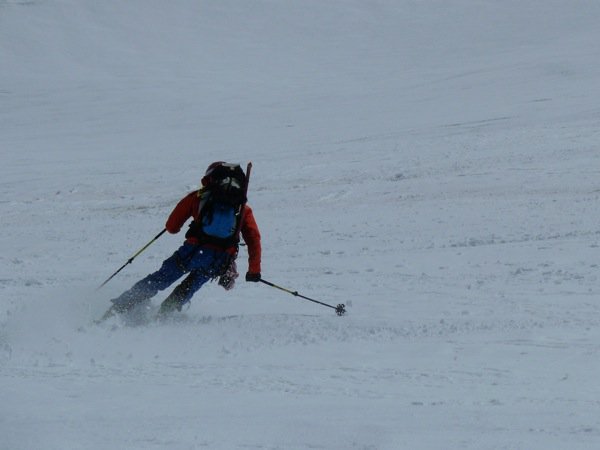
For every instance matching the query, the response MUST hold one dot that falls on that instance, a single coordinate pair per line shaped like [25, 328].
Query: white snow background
[432, 164]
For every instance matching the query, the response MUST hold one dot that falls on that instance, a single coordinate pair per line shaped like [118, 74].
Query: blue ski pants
[200, 262]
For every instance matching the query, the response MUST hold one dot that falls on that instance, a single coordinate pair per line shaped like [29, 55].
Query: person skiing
[219, 214]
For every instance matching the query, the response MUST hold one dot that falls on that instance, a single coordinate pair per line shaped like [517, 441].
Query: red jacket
[189, 206]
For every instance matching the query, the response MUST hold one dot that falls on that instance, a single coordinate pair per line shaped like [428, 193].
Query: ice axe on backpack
[340, 309]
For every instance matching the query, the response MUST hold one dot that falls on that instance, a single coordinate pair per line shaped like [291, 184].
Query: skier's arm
[251, 236]
[182, 212]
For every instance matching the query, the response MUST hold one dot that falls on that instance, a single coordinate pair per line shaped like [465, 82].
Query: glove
[254, 277]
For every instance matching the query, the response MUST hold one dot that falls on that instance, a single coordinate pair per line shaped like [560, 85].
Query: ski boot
[113, 311]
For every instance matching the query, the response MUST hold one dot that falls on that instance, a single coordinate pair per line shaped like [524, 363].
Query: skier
[219, 212]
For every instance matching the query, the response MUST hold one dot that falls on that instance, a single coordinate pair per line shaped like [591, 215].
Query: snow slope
[434, 165]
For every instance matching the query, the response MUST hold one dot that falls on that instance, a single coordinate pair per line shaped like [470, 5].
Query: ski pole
[130, 260]
[340, 309]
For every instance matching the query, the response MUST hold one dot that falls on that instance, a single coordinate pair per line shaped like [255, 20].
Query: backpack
[221, 201]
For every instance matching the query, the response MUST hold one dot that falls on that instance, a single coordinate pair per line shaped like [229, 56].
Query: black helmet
[225, 180]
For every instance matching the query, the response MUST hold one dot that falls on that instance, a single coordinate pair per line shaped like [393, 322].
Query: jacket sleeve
[182, 212]
[251, 236]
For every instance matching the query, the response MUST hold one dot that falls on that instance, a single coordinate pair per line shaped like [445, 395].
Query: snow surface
[432, 164]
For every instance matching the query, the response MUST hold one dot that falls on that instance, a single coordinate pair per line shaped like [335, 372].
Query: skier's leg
[183, 292]
[206, 264]
[170, 271]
